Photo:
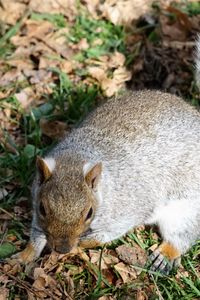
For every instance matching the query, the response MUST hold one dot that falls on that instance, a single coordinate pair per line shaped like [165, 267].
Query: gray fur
[149, 146]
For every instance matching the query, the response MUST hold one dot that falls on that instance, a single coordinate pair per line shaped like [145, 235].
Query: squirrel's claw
[160, 263]
[164, 258]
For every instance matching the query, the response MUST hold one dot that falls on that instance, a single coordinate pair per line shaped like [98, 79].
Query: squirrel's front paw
[164, 258]
[26, 256]
[89, 243]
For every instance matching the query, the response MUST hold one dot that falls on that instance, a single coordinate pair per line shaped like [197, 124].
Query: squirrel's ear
[45, 167]
[92, 175]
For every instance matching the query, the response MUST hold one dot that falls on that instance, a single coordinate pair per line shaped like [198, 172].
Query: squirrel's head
[65, 199]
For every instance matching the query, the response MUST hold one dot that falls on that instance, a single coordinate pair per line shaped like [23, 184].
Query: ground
[58, 60]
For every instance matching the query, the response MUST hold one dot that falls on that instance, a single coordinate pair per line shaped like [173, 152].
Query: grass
[56, 19]
[102, 37]
[71, 103]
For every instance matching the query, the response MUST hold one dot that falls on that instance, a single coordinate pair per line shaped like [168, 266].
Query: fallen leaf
[20, 63]
[11, 76]
[53, 129]
[106, 298]
[124, 12]
[38, 29]
[126, 272]
[98, 73]
[43, 281]
[52, 261]
[141, 295]
[39, 284]
[109, 275]
[116, 60]
[153, 247]
[120, 75]
[109, 86]
[132, 255]
[66, 7]
[11, 11]
[4, 293]
[57, 42]
[66, 66]
[25, 97]
[177, 29]
[92, 7]
[5, 93]
[82, 44]
[107, 259]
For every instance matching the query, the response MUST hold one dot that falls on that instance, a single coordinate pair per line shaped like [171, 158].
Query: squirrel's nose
[62, 249]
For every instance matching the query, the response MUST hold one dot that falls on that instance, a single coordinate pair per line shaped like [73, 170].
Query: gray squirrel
[134, 160]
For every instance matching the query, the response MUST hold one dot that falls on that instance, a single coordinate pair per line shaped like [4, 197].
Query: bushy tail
[197, 62]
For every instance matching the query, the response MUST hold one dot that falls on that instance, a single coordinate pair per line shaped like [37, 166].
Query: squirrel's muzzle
[62, 245]
[62, 249]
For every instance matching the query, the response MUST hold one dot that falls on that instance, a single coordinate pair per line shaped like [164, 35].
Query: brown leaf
[57, 41]
[116, 60]
[82, 44]
[11, 76]
[106, 298]
[38, 29]
[43, 280]
[132, 255]
[66, 66]
[52, 261]
[39, 284]
[5, 93]
[26, 97]
[126, 272]
[65, 7]
[20, 63]
[153, 247]
[181, 17]
[175, 30]
[79, 251]
[11, 11]
[110, 86]
[53, 129]
[141, 295]
[97, 73]
[4, 293]
[109, 275]
[121, 12]
[106, 260]
[39, 76]
[92, 6]
[121, 75]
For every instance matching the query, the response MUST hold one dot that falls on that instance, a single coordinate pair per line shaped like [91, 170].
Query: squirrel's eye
[90, 212]
[42, 210]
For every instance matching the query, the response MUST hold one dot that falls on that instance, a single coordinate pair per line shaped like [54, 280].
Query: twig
[27, 286]
[6, 212]
[158, 291]
[4, 235]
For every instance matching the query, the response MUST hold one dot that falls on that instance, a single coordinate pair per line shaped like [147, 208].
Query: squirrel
[134, 160]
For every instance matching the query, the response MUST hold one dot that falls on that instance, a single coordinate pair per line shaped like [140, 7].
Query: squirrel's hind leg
[179, 226]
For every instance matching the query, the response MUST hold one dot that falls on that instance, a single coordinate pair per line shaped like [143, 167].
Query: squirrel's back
[135, 117]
